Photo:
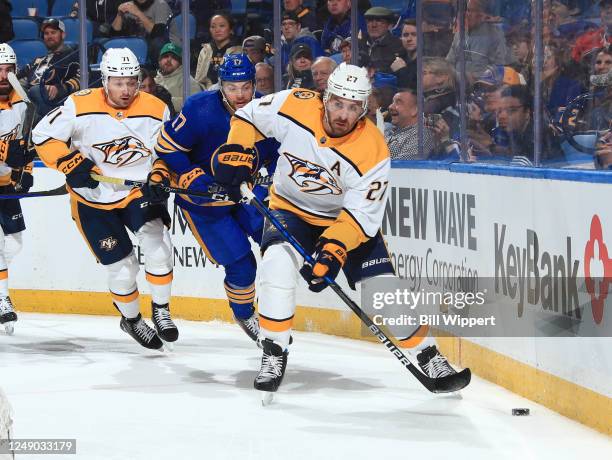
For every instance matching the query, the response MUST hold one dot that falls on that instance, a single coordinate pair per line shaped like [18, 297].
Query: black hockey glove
[27, 180]
[14, 153]
[78, 170]
[232, 165]
[330, 256]
[152, 190]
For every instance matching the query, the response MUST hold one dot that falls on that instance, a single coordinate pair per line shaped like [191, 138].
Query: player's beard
[5, 90]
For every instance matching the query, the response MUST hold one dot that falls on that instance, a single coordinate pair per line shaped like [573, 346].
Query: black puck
[520, 411]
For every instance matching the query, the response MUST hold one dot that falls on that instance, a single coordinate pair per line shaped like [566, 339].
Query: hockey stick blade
[61, 190]
[448, 384]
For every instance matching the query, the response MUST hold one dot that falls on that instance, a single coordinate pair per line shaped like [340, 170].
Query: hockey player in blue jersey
[187, 145]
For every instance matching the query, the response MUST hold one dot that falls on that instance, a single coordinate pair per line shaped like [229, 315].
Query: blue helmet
[236, 67]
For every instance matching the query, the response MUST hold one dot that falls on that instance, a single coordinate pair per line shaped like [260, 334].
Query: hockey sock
[127, 304]
[241, 300]
[160, 285]
[4, 292]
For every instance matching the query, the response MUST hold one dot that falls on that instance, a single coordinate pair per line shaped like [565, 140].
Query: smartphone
[432, 119]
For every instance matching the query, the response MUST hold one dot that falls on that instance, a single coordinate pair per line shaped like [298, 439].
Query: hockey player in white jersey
[112, 131]
[329, 191]
[15, 168]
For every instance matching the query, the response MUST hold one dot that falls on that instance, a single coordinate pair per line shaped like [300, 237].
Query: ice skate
[165, 327]
[141, 332]
[8, 317]
[434, 364]
[273, 364]
[250, 326]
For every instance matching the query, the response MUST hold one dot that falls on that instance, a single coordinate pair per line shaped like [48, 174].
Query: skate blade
[266, 398]
[9, 328]
[168, 346]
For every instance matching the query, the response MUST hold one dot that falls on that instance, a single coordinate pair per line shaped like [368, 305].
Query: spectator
[380, 47]
[345, 49]
[50, 79]
[264, 78]
[6, 21]
[338, 26]
[255, 48]
[558, 89]
[439, 88]
[402, 136]
[292, 34]
[306, 16]
[438, 19]
[404, 67]
[565, 21]
[321, 69]
[374, 106]
[211, 55]
[101, 12]
[147, 19]
[299, 74]
[597, 38]
[171, 74]
[602, 63]
[519, 40]
[485, 44]
[516, 120]
[483, 106]
[148, 85]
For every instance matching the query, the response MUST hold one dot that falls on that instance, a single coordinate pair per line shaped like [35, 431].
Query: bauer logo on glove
[232, 165]
[330, 256]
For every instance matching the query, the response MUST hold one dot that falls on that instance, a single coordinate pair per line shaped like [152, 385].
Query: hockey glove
[157, 178]
[330, 256]
[78, 170]
[196, 180]
[13, 153]
[27, 180]
[232, 165]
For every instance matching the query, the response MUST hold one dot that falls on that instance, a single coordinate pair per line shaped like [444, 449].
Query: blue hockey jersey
[191, 138]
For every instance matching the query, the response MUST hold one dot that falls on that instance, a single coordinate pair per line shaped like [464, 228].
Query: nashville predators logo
[108, 243]
[12, 134]
[312, 178]
[123, 152]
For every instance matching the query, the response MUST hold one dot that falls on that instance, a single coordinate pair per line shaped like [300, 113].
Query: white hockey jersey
[119, 141]
[339, 183]
[12, 114]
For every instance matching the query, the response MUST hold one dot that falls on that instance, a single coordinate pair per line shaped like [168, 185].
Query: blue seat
[27, 50]
[20, 7]
[61, 7]
[239, 7]
[73, 29]
[178, 20]
[26, 29]
[138, 46]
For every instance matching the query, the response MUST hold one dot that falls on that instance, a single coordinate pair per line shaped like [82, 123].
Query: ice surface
[70, 376]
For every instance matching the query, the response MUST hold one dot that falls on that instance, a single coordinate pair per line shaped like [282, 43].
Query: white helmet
[7, 55]
[349, 82]
[118, 62]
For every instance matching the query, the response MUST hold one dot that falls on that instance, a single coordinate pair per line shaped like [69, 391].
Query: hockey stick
[448, 384]
[215, 192]
[61, 190]
[28, 119]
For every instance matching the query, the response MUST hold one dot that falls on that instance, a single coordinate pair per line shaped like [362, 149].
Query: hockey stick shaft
[61, 190]
[215, 192]
[426, 381]
[28, 119]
